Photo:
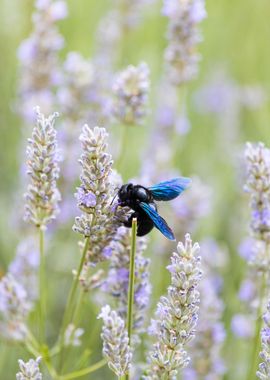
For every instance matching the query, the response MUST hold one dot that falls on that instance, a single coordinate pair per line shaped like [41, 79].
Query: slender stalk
[74, 319]
[131, 281]
[69, 310]
[84, 371]
[257, 341]
[42, 287]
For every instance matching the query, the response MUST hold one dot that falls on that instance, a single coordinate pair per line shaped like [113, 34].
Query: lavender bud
[115, 341]
[95, 194]
[25, 266]
[40, 51]
[176, 314]
[206, 359]
[131, 89]
[73, 336]
[29, 370]
[14, 309]
[258, 186]
[264, 366]
[42, 195]
[183, 36]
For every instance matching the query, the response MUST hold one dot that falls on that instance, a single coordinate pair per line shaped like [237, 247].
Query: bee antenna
[117, 188]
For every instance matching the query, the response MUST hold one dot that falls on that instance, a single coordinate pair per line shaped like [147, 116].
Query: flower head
[95, 194]
[40, 51]
[183, 36]
[115, 341]
[176, 314]
[29, 370]
[14, 308]
[131, 92]
[25, 266]
[42, 195]
[264, 367]
[258, 186]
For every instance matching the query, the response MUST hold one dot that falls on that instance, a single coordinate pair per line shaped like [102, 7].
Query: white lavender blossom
[258, 186]
[115, 341]
[183, 37]
[73, 335]
[95, 194]
[206, 359]
[29, 370]
[117, 281]
[131, 94]
[42, 195]
[14, 308]
[38, 55]
[264, 367]
[176, 314]
[25, 266]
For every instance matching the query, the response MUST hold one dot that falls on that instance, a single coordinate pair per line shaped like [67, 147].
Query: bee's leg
[128, 223]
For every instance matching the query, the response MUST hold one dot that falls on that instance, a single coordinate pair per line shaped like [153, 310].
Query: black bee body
[131, 196]
[142, 201]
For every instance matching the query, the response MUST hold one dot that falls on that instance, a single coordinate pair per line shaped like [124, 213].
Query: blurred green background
[236, 36]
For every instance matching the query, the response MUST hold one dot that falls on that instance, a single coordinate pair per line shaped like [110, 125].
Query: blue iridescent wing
[158, 221]
[168, 190]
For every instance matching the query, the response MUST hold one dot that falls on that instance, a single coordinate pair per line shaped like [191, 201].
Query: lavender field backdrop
[99, 93]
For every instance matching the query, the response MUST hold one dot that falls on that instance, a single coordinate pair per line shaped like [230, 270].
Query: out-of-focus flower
[73, 335]
[117, 281]
[99, 220]
[183, 37]
[83, 96]
[192, 206]
[40, 51]
[258, 186]
[242, 325]
[90, 280]
[264, 367]
[131, 93]
[14, 308]
[29, 370]
[42, 195]
[25, 266]
[115, 341]
[177, 314]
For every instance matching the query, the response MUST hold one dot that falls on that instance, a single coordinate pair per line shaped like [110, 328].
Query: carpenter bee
[142, 201]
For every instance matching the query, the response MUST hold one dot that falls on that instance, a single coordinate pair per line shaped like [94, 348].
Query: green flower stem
[84, 371]
[75, 320]
[42, 287]
[257, 340]
[131, 281]
[68, 314]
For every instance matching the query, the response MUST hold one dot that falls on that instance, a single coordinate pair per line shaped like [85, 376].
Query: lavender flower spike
[95, 194]
[42, 195]
[264, 367]
[29, 370]
[117, 280]
[14, 308]
[115, 341]
[176, 314]
[258, 185]
[183, 36]
[131, 94]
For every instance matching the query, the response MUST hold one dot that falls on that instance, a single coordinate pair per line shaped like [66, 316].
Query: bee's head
[124, 192]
